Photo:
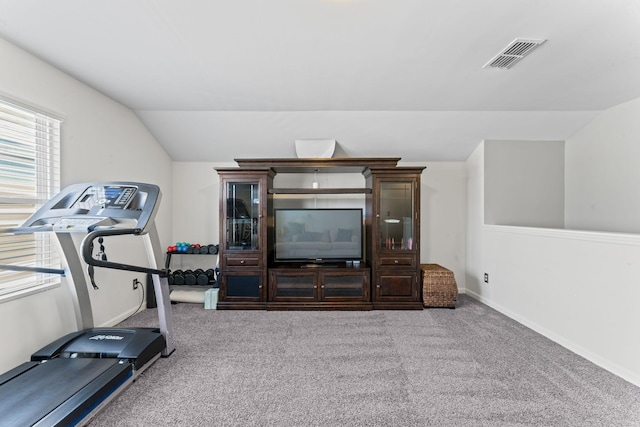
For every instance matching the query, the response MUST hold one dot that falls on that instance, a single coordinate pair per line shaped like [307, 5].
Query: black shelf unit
[211, 282]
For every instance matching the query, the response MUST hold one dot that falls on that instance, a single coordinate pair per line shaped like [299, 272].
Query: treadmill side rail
[79, 408]
[17, 371]
[59, 385]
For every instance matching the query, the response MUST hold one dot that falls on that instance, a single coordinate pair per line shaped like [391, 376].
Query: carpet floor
[470, 366]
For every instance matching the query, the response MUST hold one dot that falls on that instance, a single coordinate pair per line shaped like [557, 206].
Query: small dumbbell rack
[206, 275]
[388, 275]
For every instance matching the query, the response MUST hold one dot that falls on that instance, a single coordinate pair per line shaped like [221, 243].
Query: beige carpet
[465, 367]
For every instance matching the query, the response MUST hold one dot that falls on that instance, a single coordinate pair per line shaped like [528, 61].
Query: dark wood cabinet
[393, 230]
[388, 275]
[319, 288]
[244, 227]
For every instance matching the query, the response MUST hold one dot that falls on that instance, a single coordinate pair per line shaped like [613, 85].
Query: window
[29, 176]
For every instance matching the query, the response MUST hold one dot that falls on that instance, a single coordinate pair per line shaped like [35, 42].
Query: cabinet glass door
[287, 286]
[396, 215]
[243, 216]
[343, 287]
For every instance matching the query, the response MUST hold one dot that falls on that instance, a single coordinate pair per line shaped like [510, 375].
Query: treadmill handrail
[45, 270]
[35, 269]
[28, 229]
[87, 244]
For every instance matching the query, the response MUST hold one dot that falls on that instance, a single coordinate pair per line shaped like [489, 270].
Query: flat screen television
[318, 235]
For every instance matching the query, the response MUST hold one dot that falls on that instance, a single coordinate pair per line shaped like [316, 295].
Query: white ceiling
[214, 80]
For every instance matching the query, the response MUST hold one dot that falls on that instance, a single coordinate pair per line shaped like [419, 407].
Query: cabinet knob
[241, 261]
[395, 261]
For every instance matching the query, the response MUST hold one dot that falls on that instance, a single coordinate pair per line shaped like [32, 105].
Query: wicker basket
[439, 288]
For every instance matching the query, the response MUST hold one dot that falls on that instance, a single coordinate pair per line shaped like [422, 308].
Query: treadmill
[68, 381]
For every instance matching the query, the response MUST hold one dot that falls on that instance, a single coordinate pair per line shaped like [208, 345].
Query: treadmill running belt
[36, 393]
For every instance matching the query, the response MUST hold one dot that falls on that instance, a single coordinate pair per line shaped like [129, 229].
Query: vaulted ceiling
[214, 80]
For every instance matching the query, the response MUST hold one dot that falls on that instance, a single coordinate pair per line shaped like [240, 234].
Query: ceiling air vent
[510, 55]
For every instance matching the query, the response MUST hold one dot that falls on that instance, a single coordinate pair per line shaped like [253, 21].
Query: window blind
[29, 177]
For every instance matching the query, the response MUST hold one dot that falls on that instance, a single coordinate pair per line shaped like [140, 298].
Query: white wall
[475, 220]
[603, 173]
[444, 219]
[101, 140]
[524, 183]
[443, 204]
[195, 211]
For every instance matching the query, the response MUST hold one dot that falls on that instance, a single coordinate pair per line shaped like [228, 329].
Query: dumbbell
[201, 277]
[189, 278]
[212, 249]
[178, 277]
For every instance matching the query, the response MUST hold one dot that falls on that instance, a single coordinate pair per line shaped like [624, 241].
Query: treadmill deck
[60, 390]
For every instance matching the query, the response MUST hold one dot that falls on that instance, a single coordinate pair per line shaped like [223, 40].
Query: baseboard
[580, 351]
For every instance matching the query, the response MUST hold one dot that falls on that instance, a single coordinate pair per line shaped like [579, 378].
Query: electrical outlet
[135, 284]
[486, 277]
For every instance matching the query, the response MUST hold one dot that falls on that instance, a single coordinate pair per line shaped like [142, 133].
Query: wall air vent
[510, 55]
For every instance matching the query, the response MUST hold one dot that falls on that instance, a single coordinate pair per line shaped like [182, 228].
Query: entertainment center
[280, 250]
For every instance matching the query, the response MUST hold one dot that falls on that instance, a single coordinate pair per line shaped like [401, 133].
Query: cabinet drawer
[400, 261]
[241, 261]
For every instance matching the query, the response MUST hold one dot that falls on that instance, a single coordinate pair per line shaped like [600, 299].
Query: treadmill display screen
[113, 196]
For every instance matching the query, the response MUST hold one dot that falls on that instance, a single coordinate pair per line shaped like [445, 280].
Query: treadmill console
[83, 207]
[109, 196]
[93, 199]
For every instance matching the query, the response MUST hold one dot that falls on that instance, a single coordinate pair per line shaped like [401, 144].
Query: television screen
[318, 235]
